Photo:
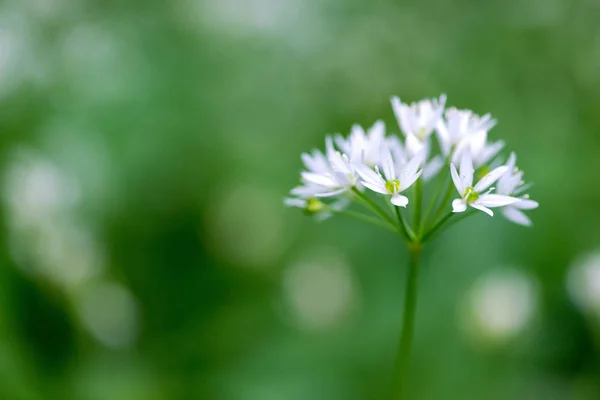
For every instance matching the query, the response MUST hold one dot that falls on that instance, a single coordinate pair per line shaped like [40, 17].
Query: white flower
[419, 119]
[316, 162]
[481, 151]
[397, 179]
[401, 154]
[460, 125]
[511, 183]
[339, 178]
[361, 146]
[472, 195]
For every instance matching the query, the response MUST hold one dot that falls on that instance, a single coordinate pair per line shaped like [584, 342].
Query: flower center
[470, 195]
[421, 133]
[313, 206]
[393, 187]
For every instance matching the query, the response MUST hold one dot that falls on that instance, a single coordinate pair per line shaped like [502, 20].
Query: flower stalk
[408, 322]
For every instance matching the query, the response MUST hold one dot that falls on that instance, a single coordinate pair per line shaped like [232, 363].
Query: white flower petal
[516, 216]
[466, 169]
[433, 167]
[483, 208]
[294, 202]
[456, 179]
[459, 205]
[413, 145]
[490, 178]
[331, 193]
[488, 152]
[512, 161]
[443, 137]
[399, 200]
[496, 200]
[526, 204]
[368, 175]
[340, 204]
[376, 188]
[319, 179]
[389, 169]
[409, 180]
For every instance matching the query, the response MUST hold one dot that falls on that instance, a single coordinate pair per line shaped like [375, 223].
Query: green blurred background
[146, 147]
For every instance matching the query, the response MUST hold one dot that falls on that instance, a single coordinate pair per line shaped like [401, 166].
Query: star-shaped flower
[474, 196]
[395, 178]
[512, 183]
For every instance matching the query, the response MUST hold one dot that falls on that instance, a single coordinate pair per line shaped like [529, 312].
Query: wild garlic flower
[361, 146]
[369, 163]
[456, 131]
[511, 184]
[419, 119]
[395, 179]
[474, 196]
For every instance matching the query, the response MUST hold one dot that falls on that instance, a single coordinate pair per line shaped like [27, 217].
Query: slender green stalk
[442, 226]
[437, 226]
[445, 201]
[418, 205]
[434, 198]
[408, 323]
[373, 206]
[408, 233]
[369, 220]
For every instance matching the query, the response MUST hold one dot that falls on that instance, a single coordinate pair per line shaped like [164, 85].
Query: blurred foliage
[146, 148]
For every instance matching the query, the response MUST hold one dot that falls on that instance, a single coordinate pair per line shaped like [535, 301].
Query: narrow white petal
[342, 143]
[516, 216]
[376, 188]
[409, 180]
[368, 175]
[399, 200]
[377, 131]
[456, 179]
[496, 200]
[308, 191]
[340, 204]
[489, 152]
[413, 145]
[443, 137]
[415, 162]
[483, 208]
[294, 202]
[490, 178]
[512, 161]
[526, 204]
[466, 169]
[433, 167]
[331, 193]
[322, 216]
[319, 179]
[388, 165]
[459, 205]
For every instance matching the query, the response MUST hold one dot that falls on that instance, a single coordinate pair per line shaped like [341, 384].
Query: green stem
[408, 233]
[374, 207]
[408, 323]
[437, 226]
[418, 205]
[454, 221]
[444, 202]
[434, 198]
[367, 219]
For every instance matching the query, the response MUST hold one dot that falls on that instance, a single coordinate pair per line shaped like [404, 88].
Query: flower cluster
[445, 143]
